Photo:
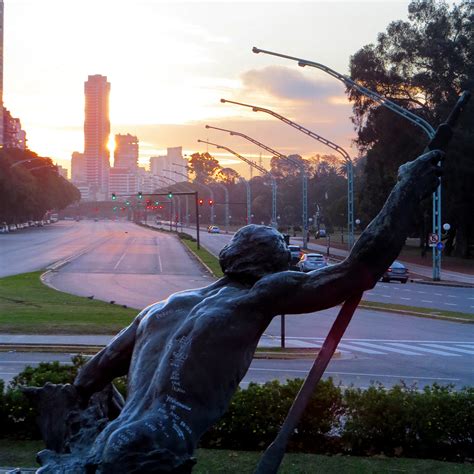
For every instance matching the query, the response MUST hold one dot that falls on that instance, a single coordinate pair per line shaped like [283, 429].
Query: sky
[170, 62]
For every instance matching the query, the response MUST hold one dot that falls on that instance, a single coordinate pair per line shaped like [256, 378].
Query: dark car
[397, 271]
[296, 254]
[312, 261]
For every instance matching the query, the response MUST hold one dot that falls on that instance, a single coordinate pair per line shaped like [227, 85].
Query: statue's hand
[423, 173]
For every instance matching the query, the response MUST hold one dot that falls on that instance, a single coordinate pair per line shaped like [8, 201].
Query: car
[397, 271]
[312, 261]
[296, 254]
[4, 228]
[213, 229]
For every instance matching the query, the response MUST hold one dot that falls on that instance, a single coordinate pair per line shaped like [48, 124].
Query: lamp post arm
[299, 127]
[420, 122]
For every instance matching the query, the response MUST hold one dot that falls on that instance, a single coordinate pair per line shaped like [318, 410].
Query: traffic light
[201, 202]
[211, 202]
[148, 202]
[170, 194]
[127, 202]
[140, 195]
[157, 202]
[114, 197]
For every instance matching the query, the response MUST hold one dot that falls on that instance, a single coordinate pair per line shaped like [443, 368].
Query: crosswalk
[390, 346]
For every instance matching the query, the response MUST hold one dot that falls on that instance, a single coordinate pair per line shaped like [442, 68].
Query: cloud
[288, 83]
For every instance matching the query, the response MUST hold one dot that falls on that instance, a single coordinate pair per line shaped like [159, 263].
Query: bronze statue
[186, 356]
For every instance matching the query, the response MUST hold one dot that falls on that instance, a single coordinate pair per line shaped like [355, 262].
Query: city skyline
[169, 73]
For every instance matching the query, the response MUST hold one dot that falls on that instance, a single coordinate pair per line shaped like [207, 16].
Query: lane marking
[424, 349]
[124, 253]
[352, 339]
[360, 349]
[386, 296]
[467, 346]
[451, 296]
[391, 349]
[456, 349]
[438, 294]
[299, 371]
[158, 255]
[402, 298]
[426, 301]
[450, 304]
[422, 292]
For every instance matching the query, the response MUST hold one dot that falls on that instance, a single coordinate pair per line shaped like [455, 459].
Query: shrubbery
[437, 422]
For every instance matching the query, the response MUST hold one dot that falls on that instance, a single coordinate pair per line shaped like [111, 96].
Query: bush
[437, 422]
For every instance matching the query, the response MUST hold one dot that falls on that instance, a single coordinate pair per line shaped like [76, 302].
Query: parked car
[4, 228]
[312, 261]
[296, 254]
[397, 271]
[213, 229]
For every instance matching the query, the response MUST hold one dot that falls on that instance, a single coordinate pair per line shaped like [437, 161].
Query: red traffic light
[211, 202]
[201, 202]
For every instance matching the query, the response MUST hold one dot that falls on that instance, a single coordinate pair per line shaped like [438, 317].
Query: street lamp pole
[303, 175]
[408, 115]
[330, 144]
[254, 165]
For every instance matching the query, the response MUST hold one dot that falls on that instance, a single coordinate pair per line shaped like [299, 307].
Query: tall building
[126, 152]
[78, 168]
[1, 73]
[172, 165]
[13, 135]
[96, 135]
[122, 182]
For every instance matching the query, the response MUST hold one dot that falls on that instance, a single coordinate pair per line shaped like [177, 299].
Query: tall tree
[422, 64]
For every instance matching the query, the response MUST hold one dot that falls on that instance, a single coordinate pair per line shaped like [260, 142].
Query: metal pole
[253, 165]
[408, 115]
[197, 219]
[325, 141]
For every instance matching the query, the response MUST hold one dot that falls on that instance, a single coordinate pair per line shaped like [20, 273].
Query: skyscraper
[96, 135]
[126, 152]
[1, 73]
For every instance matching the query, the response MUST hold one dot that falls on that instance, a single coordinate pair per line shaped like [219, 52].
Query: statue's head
[254, 251]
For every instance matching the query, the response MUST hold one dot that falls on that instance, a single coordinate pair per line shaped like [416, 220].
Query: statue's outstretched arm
[377, 247]
[112, 361]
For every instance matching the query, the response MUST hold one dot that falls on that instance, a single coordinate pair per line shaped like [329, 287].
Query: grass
[206, 257]
[29, 307]
[210, 461]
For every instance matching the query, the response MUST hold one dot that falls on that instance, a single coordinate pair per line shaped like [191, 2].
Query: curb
[452, 284]
[288, 354]
[415, 313]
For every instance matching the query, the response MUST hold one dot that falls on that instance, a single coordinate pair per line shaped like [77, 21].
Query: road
[410, 294]
[136, 266]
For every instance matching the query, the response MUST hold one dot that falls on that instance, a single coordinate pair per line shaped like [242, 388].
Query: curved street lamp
[330, 144]
[427, 128]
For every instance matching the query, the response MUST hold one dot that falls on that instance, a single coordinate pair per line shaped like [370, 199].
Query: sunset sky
[170, 62]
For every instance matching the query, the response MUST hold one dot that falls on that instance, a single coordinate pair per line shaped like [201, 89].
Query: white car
[213, 229]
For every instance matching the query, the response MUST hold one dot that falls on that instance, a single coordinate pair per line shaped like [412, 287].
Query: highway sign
[440, 246]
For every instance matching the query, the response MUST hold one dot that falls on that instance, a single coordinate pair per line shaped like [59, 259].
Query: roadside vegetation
[435, 422]
[27, 306]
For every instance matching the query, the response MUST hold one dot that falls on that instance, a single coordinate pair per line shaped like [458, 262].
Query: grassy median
[27, 306]
[22, 454]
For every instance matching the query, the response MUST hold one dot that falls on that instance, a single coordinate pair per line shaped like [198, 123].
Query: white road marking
[451, 296]
[353, 339]
[450, 304]
[455, 349]
[424, 349]
[370, 293]
[467, 346]
[402, 298]
[390, 349]
[438, 294]
[259, 369]
[124, 253]
[426, 301]
[356, 348]
[158, 255]
[386, 296]
[421, 292]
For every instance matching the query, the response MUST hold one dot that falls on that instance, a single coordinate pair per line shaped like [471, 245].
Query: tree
[204, 167]
[423, 64]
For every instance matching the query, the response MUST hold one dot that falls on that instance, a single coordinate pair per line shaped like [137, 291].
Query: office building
[122, 182]
[78, 168]
[126, 152]
[13, 135]
[172, 165]
[96, 135]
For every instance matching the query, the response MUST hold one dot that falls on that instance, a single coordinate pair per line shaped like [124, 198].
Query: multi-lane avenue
[135, 266]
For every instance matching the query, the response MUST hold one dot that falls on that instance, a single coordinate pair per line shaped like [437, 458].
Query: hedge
[436, 422]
